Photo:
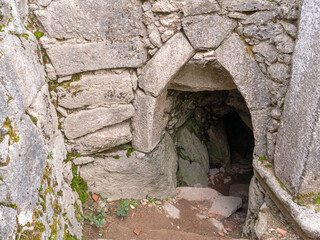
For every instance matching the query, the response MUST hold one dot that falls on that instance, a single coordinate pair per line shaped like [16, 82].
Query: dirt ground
[149, 221]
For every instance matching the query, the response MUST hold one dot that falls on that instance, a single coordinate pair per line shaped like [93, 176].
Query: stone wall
[36, 199]
[101, 102]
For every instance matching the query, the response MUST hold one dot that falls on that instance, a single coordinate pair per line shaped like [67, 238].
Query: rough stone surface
[161, 69]
[261, 227]
[69, 58]
[153, 175]
[88, 121]
[98, 89]
[192, 173]
[284, 43]
[279, 72]
[245, 72]
[207, 32]
[94, 20]
[7, 222]
[266, 50]
[148, 121]
[191, 7]
[171, 211]
[103, 139]
[260, 17]
[194, 77]
[297, 146]
[225, 205]
[83, 160]
[193, 149]
[247, 6]
[163, 6]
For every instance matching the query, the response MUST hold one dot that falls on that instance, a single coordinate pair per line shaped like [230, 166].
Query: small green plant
[34, 120]
[316, 200]
[79, 185]
[38, 34]
[50, 155]
[130, 150]
[1, 179]
[25, 35]
[125, 206]
[151, 200]
[98, 218]
[262, 159]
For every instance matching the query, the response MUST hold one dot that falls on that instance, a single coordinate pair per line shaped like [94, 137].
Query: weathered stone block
[88, 121]
[191, 8]
[98, 89]
[208, 31]
[137, 176]
[260, 17]
[92, 20]
[103, 139]
[247, 5]
[246, 74]
[297, 149]
[266, 50]
[195, 78]
[147, 121]
[69, 57]
[161, 69]
[279, 72]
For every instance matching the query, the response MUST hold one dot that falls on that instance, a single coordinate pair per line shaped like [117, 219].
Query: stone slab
[246, 74]
[92, 20]
[247, 5]
[88, 121]
[103, 88]
[191, 8]
[297, 147]
[69, 57]
[103, 139]
[165, 64]
[225, 205]
[208, 31]
[147, 121]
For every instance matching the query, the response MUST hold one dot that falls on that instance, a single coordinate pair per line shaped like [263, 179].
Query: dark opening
[221, 121]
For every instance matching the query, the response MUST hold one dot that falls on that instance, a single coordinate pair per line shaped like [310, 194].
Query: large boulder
[134, 175]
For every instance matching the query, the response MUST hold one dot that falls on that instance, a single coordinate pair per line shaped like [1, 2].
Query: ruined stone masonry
[109, 90]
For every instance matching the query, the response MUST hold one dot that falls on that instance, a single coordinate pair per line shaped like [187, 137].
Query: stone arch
[234, 57]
